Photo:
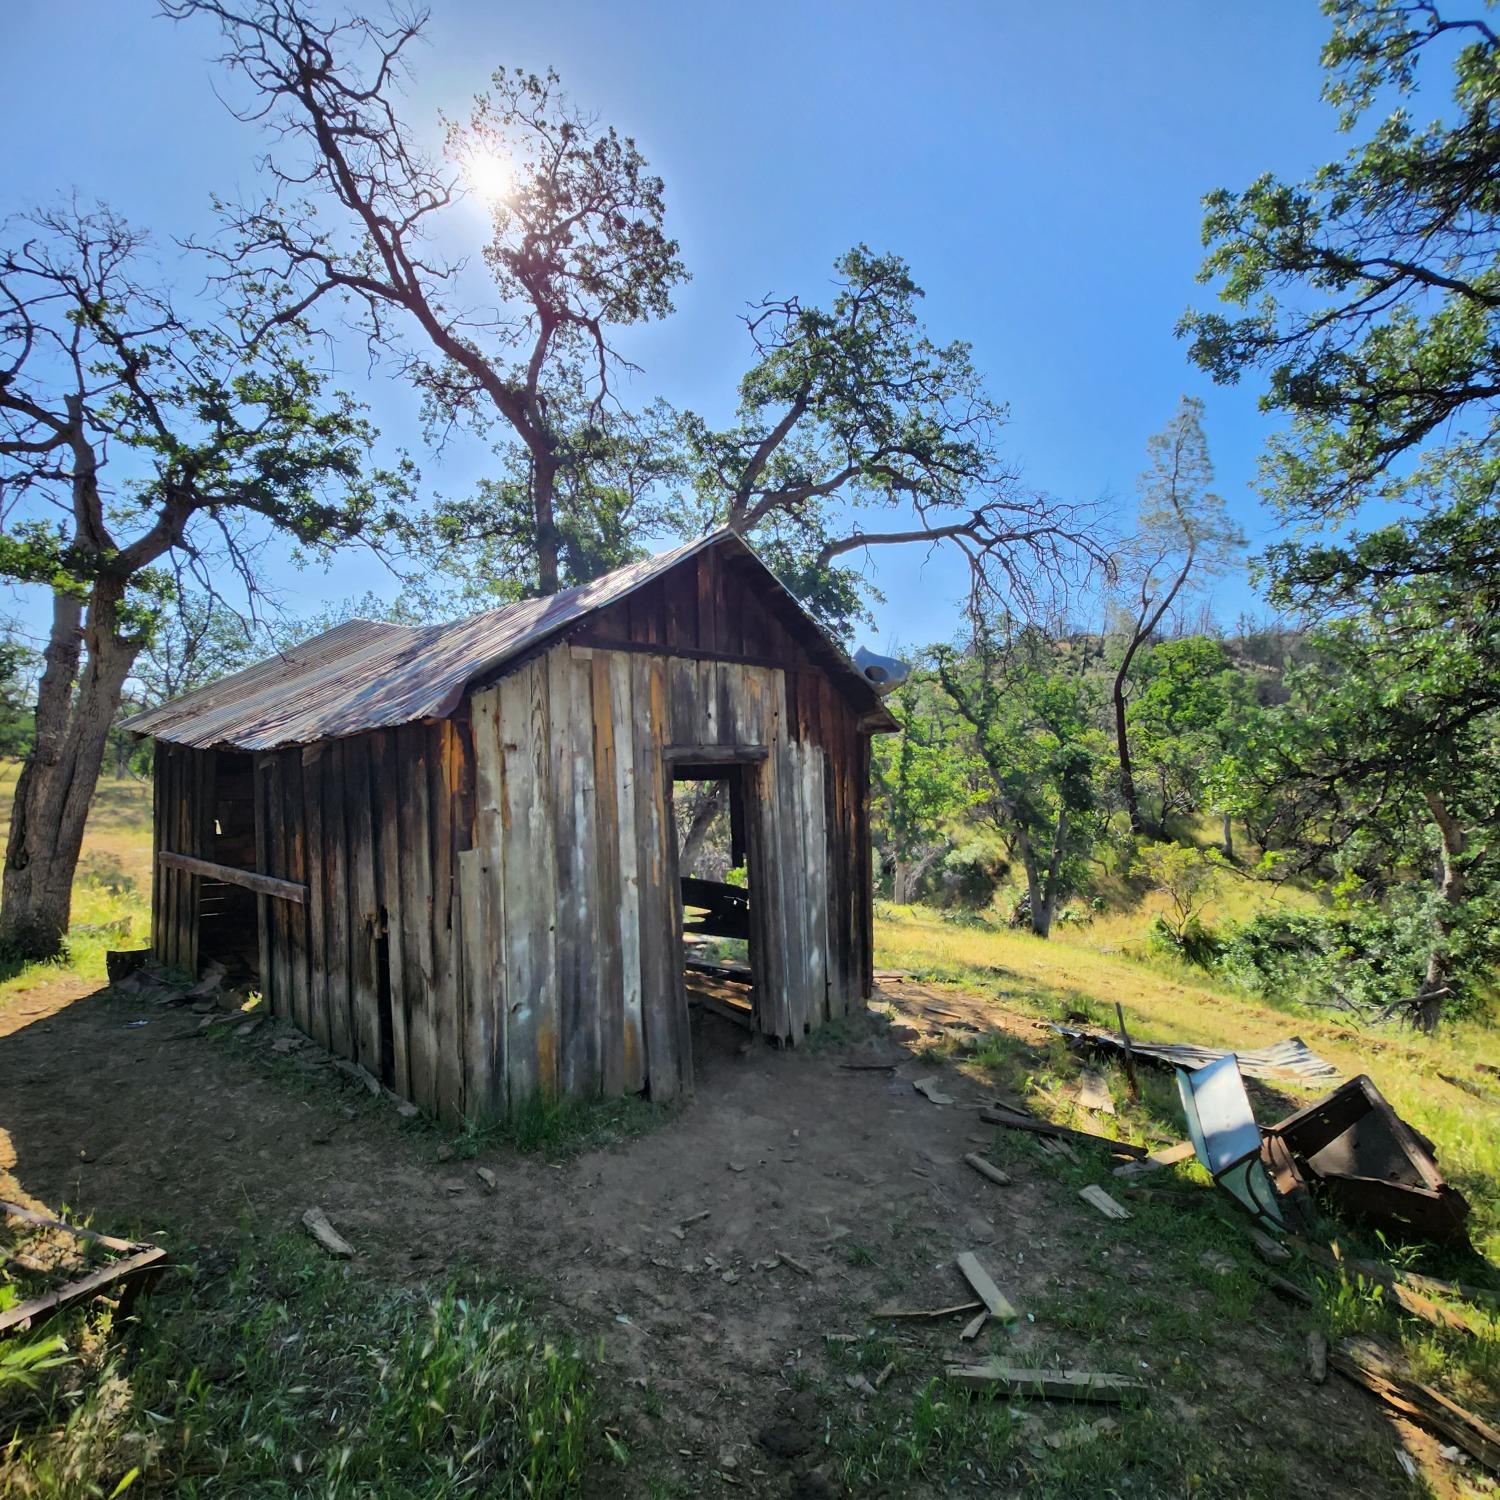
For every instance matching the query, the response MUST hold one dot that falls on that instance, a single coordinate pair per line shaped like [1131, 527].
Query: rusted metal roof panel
[364, 675]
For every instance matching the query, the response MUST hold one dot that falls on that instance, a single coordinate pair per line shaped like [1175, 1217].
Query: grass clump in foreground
[564, 1127]
[286, 1376]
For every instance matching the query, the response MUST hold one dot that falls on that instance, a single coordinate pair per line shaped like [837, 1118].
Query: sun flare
[488, 175]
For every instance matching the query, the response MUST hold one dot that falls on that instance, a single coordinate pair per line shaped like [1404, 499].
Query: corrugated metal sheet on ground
[364, 675]
[1292, 1058]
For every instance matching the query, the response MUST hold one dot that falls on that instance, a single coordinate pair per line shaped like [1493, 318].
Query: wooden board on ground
[1034, 1126]
[1095, 1196]
[985, 1288]
[987, 1169]
[1093, 1092]
[1168, 1156]
[929, 1312]
[1371, 1365]
[997, 1377]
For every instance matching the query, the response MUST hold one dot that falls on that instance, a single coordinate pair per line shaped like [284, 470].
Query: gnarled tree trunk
[74, 711]
[1452, 884]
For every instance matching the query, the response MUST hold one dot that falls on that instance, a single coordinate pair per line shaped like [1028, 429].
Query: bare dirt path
[713, 1344]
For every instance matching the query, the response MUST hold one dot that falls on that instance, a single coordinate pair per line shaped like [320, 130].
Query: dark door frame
[679, 762]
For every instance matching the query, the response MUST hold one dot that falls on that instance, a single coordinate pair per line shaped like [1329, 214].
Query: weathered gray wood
[633, 1034]
[266, 885]
[660, 981]
[530, 897]
[487, 1084]
[985, 1288]
[316, 1021]
[705, 752]
[416, 914]
[1001, 1378]
[608, 963]
[386, 812]
[987, 1169]
[336, 937]
[477, 999]
[295, 924]
[364, 906]
[579, 932]
[262, 903]
[445, 788]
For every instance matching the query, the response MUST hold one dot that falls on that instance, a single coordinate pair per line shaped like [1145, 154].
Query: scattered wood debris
[987, 1169]
[1095, 1195]
[985, 1289]
[972, 1329]
[487, 1177]
[929, 1312]
[928, 1087]
[1168, 1156]
[1093, 1092]
[997, 1377]
[1271, 1251]
[315, 1221]
[1368, 1363]
[869, 1067]
[1000, 1115]
[139, 1269]
[885, 1375]
[1317, 1357]
[860, 1384]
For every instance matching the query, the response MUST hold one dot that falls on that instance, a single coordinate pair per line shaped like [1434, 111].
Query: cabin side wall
[369, 966]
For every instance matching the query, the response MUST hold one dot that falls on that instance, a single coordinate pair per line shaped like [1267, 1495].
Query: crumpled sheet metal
[1222, 1128]
[1289, 1059]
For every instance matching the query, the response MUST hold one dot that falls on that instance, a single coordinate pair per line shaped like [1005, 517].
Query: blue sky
[1041, 170]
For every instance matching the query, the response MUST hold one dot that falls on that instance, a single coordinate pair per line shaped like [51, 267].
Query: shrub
[973, 869]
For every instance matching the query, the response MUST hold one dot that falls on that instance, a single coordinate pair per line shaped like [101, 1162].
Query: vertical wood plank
[316, 1020]
[633, 1036]
[386, 811]
[530, 898]
[444, 760]
[485, 1053]
[364, 905]
[337, 954]
[416, 914]
[261, 814]
[610, 1017]
[655, 898]
[298, 962]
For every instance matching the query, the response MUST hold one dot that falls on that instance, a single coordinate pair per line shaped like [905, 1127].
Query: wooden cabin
[449, 853]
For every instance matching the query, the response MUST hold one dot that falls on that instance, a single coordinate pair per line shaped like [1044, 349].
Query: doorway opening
[229, 915]
[716, 873]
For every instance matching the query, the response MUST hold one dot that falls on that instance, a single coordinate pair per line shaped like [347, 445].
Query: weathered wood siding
[492, 905]
[371, 967]
[571, 916]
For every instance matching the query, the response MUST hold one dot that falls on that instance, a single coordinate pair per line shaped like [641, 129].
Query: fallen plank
[1367, 1363]
[1168, 1156]
[869, 1067]
[1093, 1092]
[1269, 1250]
[1059, 1132]
[1095, 1195]
[997, 1377]
[928, 1312]
[971, 1329]
[129, 1275]
[1401, 1287]
[45, 1221]
[315, 1221]
[987, 1169]
[796, 1265]
[985, 1288]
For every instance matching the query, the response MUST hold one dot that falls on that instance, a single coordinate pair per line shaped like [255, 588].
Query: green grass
[282, 1374]
[561, 1128]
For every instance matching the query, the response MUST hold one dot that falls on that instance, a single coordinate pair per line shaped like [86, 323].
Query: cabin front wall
[571, 907]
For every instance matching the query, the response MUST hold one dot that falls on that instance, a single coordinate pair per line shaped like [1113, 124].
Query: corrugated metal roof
[365, 675]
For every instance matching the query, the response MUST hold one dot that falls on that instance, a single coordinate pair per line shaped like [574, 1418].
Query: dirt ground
[672, 1255]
